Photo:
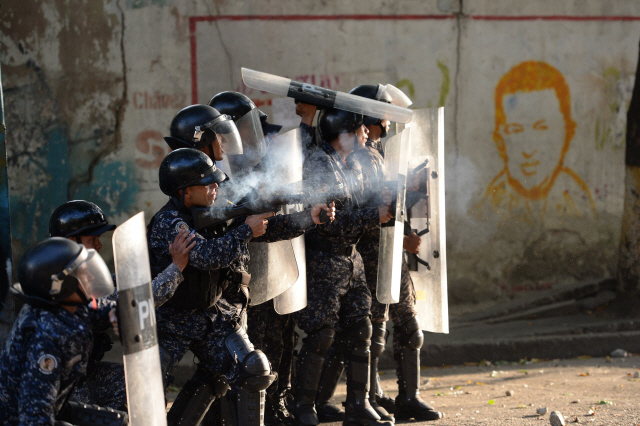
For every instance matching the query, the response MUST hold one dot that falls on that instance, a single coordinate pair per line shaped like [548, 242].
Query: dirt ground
[593, 391]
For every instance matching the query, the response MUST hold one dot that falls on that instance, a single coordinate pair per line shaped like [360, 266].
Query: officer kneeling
[50, 342]
[205, 313]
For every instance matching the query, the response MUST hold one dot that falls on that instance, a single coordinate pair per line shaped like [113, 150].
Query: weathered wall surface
[535, 95]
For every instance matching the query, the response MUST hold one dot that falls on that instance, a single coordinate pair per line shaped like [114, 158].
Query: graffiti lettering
[157, 100]
[151, 144]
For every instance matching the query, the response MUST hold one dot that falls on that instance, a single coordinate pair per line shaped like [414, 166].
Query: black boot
[309, 368]
[191, 404]
[358, 410]
[385, 401]
[276, 412]
[331, 372]
[378, 342]
[409, 405]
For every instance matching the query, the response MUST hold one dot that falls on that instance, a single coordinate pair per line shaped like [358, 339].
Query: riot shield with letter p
[426, 211]
[392, 232]
[275, 267]
[145, 395]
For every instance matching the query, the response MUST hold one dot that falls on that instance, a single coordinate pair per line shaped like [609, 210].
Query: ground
[593, 391]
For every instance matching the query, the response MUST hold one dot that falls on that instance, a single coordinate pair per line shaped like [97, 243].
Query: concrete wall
[535, 94]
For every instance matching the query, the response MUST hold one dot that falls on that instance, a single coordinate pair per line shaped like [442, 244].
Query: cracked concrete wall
[91, 86]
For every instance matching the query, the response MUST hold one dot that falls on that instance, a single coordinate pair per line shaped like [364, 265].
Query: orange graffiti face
[533, 136]
[534, 127]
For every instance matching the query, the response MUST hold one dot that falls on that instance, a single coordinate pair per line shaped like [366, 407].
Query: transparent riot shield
[426, 211]
[392, 232]
[145, 396]
[273, 270]
[294, 298]
[253, 144]
[275, 267]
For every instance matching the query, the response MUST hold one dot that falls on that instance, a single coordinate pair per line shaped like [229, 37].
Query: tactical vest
[201, 288]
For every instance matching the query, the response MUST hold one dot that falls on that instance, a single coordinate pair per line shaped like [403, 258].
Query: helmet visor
[228, 136]
[92, 272]
[391, 94]
[253, 144]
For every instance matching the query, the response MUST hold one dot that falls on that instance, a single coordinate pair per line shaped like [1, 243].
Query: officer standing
[48, 349]
[84, 222]
[338, 296]
[269, 331]
[197, 317]
[408, 336]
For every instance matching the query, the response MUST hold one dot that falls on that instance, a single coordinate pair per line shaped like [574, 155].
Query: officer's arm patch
[47, 363]
[181, 226]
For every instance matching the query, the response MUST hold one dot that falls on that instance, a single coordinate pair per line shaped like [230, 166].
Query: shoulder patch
[181, 226]
[47, 363]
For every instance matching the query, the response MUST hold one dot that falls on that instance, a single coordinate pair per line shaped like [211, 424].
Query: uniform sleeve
[308, 139]
[286, 226]
[350, 221]
[40, 383]
[214, 253]
[371, 174]
[320, 178]
[99, 312]
[321, 181]
[165, 284]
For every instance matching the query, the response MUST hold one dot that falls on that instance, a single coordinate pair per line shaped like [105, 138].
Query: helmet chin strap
[84, 300]
[383, 134]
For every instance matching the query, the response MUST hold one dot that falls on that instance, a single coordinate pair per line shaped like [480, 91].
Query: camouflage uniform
[338, 299]
[405, 309]
[104, 383]
[204, 330]
[43, 358]
[403, 313]
[372, 164]
[337, 295]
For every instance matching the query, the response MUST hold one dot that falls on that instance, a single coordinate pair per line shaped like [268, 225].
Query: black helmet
[197, 126]
[238, 105]
[78, 217]
[332, 122]
[370, 91]
[384, 93]
[187, 167]
[57, 267]
[233, 104]
[40, 267]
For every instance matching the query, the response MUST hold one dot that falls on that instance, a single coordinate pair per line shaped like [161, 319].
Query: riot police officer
[279, 341]
[199, 316]
[408, 336]
[338, 296]
[84, 222]
[50, 343]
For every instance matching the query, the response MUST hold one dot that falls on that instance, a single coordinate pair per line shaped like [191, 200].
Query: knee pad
[411, 334]
[257, 371]
[238, 344]
[378, 339]
[320, 341]
[362, 330]
[256, 364]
